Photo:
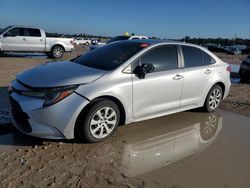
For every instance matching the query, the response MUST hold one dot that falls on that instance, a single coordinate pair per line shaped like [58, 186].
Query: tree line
[219, 41]
[199, 41]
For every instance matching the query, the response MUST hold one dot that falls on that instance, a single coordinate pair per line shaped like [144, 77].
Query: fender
[51, 44]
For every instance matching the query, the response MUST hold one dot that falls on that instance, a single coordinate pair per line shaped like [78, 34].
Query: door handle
[208, 71]
[24, 39]
[177, 77]
[41, 40]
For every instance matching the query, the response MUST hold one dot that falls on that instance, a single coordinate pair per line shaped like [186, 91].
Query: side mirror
[144, 69]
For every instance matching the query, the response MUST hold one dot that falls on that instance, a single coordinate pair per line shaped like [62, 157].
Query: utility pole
[235, 36]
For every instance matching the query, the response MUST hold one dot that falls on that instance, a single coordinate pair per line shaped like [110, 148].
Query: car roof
[150, 41]
[159, 41]
[21, 26]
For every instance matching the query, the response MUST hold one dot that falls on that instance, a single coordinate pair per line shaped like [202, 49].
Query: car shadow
[23, 55]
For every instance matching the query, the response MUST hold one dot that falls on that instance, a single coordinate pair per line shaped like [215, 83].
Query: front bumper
[69, 48]
[53, 122]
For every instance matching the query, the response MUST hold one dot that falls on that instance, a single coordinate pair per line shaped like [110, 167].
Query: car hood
[59, 74]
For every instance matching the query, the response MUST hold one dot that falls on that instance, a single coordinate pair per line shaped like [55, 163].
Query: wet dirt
[188, 149]
[238, 99]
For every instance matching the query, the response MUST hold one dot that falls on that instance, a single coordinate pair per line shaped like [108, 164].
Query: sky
[161, 18]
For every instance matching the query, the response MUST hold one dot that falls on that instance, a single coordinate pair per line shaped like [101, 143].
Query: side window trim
[26, 32]
[129, 68]
[159, 46]
[201, 51]
[209, 56]
[29, 32]
[20, 33]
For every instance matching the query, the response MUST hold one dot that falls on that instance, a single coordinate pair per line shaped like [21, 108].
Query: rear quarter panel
[221, 75]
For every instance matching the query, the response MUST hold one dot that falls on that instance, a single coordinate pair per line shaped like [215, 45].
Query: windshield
[109, 56]
[118, 38]
[5, 29]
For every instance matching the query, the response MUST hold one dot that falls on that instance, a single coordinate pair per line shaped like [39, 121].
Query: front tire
[99, 122]
[213, 99]
[57, 52]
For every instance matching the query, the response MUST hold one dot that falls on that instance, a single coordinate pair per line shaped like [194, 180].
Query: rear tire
[99, 121]
[213, 99]
[57, 52]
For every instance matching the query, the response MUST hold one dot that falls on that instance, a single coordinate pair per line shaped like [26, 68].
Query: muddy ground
[188, 149]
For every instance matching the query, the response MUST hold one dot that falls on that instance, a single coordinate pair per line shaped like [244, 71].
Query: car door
[199, 69]
[160, 90]
[14, 40]
[35, 41]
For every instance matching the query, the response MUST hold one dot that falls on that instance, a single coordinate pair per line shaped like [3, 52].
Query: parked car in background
[245, 69]
[246, 51]
[119, 83]
[97, 42]
[215, 47]
[117, 38]
[30, 39]
[232, 51]
[82, 41]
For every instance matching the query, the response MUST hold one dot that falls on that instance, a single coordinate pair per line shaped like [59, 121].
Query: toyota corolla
[123, 82]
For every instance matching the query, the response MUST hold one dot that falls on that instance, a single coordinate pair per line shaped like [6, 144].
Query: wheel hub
[103, 122]
[214, 99]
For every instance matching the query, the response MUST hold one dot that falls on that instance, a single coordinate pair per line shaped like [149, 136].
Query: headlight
[51, 96]
[54, 97]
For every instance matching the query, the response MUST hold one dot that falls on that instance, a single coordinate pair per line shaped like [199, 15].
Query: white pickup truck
[29, 39]
[82, 41]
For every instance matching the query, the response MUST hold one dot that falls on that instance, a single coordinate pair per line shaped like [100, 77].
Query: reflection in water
[170, 139]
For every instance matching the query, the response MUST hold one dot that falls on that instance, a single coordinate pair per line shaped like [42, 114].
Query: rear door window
[163, 58]
[192, 56]
[207, 59]
[34, 33]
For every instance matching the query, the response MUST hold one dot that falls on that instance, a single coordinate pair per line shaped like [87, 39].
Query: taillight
[229, 69]
[144, 45]
[72, 42]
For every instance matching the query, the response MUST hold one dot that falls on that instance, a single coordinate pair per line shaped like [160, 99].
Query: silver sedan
[119, 83]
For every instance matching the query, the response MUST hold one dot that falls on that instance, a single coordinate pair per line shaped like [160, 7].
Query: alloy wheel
[103, 122]
[214, 99]
[58, 52]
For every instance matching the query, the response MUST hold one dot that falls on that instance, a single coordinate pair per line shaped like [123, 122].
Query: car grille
[19, 116]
